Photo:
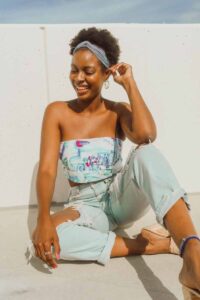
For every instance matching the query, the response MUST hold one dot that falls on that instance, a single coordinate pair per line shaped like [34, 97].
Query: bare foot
[154, 244]
[190, 272]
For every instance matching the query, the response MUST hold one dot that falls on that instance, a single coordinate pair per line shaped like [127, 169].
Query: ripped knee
[68, 214]
[72, 212]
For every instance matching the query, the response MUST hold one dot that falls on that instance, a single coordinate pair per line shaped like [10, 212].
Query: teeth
[81, 88]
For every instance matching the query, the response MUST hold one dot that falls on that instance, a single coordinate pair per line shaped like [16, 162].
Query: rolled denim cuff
[170, 200]
[106, 252]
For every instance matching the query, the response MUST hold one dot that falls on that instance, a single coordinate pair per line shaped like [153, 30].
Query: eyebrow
[91, 66]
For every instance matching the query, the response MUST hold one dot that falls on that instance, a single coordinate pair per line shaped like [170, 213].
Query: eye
[89, 73]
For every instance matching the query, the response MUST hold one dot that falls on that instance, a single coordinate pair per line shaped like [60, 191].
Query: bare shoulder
[116, 104]
[56, 108]
[122, 107]
[56, 105]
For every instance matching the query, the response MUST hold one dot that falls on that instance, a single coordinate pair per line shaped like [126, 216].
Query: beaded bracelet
[184, 242]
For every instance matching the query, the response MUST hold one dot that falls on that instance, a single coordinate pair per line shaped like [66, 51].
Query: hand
[43, 237]
[125, 73]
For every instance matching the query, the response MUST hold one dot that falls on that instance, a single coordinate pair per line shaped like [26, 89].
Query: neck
[89, 106]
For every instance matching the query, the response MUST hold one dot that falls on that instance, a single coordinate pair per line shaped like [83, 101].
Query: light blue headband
[99, 52]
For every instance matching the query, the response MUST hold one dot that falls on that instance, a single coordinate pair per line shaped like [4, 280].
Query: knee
[67, 214]
[143, 162]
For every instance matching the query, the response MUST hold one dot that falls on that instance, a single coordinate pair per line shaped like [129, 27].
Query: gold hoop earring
[106, 84]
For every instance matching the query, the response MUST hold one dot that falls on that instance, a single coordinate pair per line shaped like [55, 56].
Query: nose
[80, 76]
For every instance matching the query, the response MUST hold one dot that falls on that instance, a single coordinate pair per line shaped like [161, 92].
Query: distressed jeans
[145, 181]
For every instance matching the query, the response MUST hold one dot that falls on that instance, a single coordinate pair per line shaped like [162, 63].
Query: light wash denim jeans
[146, 181]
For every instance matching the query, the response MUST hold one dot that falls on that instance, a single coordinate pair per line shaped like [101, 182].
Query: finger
[120, 69]
[49, 255]
[41, 252]
[114, 67]
[113, 71]
[119, 65]
[56, 248]
[38, 252]
[116, 73]
[51, 262]
[123, 67]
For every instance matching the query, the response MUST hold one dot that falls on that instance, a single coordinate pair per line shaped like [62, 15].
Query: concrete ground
[140, 277]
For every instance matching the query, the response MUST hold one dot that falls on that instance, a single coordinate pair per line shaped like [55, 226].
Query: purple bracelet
[184, 242]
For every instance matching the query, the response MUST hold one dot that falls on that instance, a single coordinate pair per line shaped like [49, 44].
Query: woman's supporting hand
[43, 237]
[122, 73]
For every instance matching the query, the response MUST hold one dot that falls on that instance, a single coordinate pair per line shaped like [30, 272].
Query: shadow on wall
[60, 195]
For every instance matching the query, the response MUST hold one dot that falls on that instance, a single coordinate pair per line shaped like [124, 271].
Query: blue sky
[99, 11]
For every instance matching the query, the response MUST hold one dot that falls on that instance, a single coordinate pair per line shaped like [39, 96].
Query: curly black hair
[100, 37]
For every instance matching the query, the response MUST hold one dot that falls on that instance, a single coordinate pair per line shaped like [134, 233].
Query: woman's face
[86, 74]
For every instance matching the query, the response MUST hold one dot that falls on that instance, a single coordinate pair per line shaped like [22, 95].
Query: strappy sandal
[161, 231]
[190, 294]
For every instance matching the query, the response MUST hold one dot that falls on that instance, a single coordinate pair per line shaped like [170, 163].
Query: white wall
[34, 70]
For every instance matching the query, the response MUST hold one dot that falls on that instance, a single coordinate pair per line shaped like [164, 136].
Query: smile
[81, 89]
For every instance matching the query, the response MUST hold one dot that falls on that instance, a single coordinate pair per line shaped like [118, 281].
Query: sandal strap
[163, 232]
[173, 247]
[157, 229]
[184, 242]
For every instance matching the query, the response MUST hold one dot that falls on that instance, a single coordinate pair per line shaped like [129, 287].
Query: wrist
[43, 215]
[128, 85]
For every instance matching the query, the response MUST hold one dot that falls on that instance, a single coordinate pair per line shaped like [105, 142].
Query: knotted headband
[99, 52]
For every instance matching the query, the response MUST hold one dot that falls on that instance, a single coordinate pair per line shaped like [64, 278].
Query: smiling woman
[90, 62]
[86, 76]
[87, 134]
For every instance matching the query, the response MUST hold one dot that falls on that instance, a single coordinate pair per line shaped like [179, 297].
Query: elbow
[148, 138]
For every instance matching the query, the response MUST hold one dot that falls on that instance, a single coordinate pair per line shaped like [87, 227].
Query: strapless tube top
[93, 159]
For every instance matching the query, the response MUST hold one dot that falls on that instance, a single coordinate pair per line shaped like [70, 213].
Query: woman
[87, 133]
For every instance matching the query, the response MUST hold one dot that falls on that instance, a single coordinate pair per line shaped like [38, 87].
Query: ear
[107, 73]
